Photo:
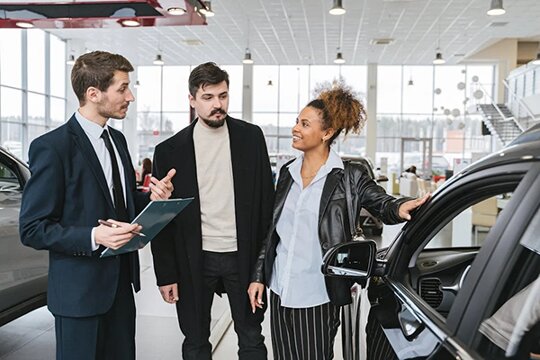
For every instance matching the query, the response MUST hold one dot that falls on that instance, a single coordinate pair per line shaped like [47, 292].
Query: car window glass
[442, 266]
[512, 330]
[8, 179]
[471, 226]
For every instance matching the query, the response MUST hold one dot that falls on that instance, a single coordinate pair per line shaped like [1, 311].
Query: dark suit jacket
[178, 248]
[63, 200]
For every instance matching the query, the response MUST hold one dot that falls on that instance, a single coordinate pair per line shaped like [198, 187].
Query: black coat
[177, 250]
[334, 225]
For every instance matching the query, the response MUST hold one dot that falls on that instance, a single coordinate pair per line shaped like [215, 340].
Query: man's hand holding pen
[116, 236]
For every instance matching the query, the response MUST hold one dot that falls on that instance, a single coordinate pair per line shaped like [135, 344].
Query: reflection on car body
[444, 274]
[23, 271]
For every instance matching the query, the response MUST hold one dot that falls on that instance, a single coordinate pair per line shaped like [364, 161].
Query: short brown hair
[340, 109]
[96, 69]
[206, 74]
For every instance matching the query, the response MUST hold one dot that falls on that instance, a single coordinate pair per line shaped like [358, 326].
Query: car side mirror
[354, 260]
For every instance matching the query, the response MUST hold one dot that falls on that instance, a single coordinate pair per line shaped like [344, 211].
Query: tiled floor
[31, 337]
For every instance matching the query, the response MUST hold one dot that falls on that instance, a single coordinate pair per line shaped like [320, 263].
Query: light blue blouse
[297, 276]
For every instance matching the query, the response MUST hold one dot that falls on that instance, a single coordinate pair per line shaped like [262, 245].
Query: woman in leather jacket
[310, 216]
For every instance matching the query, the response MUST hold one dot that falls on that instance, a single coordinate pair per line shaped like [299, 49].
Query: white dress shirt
[93, 131]
[297, 276]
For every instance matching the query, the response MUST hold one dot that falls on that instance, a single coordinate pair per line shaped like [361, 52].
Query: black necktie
[119, 204]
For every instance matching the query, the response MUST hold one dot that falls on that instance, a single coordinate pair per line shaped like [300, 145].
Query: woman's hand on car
[406, 208]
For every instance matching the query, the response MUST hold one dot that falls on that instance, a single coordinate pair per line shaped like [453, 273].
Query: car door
[23, 271]
[407, 321]
[511, 266]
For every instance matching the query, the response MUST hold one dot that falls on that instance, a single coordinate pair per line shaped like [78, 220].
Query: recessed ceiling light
[24, 24]
[176, 11]
[131, 23]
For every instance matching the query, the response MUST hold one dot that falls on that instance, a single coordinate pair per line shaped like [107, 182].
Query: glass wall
[32, 86]
[281, 92]
[433, 102]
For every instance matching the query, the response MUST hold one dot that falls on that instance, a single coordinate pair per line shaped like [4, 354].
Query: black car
[456, 282]
[23, 271]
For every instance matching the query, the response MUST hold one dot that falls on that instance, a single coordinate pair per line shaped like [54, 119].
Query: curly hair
[341, 110]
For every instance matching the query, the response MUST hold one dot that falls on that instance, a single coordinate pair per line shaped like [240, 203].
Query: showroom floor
[31, 337]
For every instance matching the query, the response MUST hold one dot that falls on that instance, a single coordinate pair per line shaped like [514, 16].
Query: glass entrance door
[417, 152]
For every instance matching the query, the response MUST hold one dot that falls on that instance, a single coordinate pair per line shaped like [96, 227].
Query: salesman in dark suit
[82, 172]
[212, 245]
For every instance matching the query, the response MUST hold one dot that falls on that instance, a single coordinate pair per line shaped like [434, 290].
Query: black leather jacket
[333, 219]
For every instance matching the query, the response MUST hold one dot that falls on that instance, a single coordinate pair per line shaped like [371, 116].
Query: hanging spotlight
[207, 10]
[176, 11]
[537, 60]
[137, 84]
[247, 57]
[337, 9]
[438, 59]
[339, 59]
[411, 82]
[270, 83]
[70, 60]
[159, 60]
[496, 8]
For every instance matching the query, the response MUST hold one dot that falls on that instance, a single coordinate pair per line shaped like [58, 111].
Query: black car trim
[431, 320]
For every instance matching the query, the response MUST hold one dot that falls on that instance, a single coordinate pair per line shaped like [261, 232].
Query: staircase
[500, 122]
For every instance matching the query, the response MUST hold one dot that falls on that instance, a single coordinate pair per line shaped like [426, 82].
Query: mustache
[218, 111]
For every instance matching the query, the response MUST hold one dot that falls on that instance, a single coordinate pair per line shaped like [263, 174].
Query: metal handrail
[492, 102]
[520, 101]
[511, 118]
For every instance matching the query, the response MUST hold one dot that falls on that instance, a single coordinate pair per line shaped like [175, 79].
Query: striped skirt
[305, 333]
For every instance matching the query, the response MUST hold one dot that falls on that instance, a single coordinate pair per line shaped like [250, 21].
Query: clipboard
[154, 217]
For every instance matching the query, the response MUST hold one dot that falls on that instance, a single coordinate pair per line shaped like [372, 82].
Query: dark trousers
[103, 337]
[303, 333]
[223, 268]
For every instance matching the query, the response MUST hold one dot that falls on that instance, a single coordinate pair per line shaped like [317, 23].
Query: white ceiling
[303, 32]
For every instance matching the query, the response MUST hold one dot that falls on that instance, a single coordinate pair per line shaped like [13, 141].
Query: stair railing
[521, 104]
[492, 102]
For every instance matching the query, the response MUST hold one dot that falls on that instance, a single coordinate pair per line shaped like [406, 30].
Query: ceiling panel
[303, 32]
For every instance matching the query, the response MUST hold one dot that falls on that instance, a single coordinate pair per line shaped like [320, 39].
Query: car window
[443, 263]
[512, 330]
[8, 179]
[471, 226]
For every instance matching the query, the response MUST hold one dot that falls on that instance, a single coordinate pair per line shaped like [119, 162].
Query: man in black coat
[213, 244]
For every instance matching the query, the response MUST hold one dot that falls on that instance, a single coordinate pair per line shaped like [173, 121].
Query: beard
[215, 123]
